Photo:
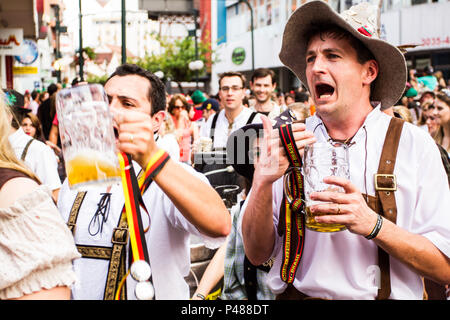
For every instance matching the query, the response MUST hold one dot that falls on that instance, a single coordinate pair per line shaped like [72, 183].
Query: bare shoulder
[14, 189]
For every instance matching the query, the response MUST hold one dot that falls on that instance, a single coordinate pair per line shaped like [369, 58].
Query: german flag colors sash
[292, 216]
[140, 268]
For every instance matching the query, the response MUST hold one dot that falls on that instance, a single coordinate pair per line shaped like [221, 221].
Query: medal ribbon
[292, 208]
[133, 191]
[132, 196]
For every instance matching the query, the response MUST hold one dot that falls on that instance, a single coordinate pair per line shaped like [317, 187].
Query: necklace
[101, 214]
[346, 142]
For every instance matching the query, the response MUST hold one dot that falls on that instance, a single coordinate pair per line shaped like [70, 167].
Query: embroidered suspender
[115, 254]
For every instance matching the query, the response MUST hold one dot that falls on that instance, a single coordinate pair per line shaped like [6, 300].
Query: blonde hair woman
[32, 229]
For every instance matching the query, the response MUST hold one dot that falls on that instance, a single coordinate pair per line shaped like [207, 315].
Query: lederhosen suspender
[25, 150]
[385, 187]
[214, 122]
[115, 254]
[384, 201]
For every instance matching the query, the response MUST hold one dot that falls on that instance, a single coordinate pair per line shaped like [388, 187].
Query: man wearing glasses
[233, 115]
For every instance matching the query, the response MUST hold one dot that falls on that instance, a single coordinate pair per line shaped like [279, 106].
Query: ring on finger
[338, 209]
[131, 138]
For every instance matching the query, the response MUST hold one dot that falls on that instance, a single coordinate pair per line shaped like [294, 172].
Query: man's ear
[158, 119]
[371, 72]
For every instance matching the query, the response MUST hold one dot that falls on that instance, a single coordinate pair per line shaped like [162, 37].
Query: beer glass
[320, 160]
[87, 137]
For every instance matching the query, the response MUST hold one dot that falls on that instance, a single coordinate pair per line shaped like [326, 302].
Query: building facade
[417, 22]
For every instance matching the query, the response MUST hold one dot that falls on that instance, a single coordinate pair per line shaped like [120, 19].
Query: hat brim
[391, 80]
[238, 148]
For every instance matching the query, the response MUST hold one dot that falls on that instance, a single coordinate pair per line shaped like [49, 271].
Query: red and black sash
[292, 219]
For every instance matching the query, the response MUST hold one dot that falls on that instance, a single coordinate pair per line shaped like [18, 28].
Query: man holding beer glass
[386, 246]
[179, 201]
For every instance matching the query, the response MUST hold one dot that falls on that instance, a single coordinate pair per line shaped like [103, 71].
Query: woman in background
[36, 247]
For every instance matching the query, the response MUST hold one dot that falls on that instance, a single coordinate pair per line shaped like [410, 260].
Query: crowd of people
[354, 87]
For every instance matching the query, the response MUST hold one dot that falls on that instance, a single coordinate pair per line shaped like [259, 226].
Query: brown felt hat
[360, 21]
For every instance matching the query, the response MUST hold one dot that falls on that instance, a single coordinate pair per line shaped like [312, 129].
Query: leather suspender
[25, 150]
[385, 187]
[214, 122]
[115, 254]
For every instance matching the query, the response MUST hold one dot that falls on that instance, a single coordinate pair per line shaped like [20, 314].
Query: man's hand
[349, 208]
[136, 135]
[273, 162]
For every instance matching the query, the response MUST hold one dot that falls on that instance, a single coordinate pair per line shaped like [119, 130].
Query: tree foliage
[174, 56]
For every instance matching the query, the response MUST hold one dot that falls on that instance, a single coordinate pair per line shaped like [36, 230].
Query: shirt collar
[372, 118]
[16, 136]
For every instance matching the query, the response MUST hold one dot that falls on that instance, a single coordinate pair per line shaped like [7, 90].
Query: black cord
[103, 207]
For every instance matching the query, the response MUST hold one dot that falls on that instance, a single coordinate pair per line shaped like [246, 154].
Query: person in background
[36, 247]
[197, 97]
[289, 98]
[32, 126]
[263, 85]
[281, 100]
[37, 155]
[186, 132]
[45, 113]
[167, 138]
[234, 115]
[442, 114]
[34, 103]
[428, 81]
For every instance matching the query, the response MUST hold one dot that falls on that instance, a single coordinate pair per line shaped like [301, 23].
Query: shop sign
[30, 52]
[238, 55]
[25, 70]
[11, 41]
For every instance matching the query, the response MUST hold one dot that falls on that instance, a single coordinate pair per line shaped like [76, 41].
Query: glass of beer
[320, 160]
[87, 137]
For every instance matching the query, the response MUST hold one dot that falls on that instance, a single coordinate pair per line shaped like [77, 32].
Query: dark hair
[36, 123]
[34, 94]
[52, 88]
[301, 96]
[232, 74]
[174, 99]
[262, 73]
[335, 32]
[157, 90]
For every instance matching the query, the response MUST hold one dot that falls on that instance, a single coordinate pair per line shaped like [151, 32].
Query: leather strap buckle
[120, 236]
[385, 182]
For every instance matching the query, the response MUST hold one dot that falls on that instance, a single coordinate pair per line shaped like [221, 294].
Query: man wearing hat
[198, 98]
[395, 205]
[208, 108]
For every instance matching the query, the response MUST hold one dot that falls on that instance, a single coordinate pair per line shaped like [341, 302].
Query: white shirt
[343, 265]
[222, 132]
[275, 112]
[169, 143]
[34, 106]
[40, 158]
[168, 241]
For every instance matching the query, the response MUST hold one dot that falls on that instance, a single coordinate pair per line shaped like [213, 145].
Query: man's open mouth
[324, 90]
